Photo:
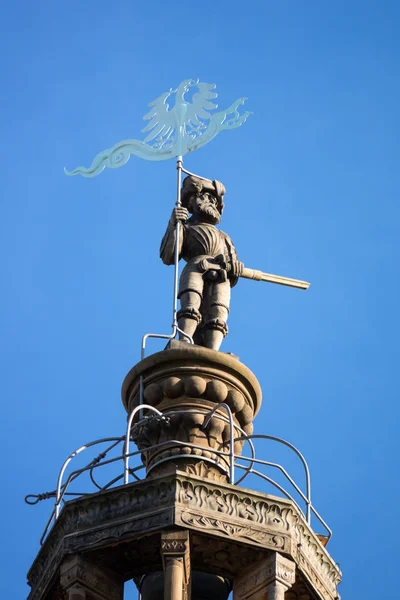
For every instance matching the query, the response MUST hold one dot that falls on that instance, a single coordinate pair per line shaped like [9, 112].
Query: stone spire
[185, 531]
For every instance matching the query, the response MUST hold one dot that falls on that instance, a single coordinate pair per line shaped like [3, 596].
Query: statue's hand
[179, 214]
[236, 268]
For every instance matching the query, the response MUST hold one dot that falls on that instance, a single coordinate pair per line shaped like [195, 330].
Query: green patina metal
[179, 122]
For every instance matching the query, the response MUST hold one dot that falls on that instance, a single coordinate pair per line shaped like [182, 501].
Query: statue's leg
[189, 315]
[216, 310]
[191, 286]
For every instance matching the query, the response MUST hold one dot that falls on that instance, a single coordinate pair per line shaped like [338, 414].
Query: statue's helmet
[193, 185]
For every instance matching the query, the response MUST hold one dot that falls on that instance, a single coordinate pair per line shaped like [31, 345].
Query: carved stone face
[203, 206]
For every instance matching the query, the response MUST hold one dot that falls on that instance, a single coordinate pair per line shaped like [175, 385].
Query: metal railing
[233, 461]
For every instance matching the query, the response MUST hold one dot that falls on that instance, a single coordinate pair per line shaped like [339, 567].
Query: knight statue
[212, 267]
[180, 121]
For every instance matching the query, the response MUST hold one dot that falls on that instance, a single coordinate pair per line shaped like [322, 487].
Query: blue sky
[312, 193]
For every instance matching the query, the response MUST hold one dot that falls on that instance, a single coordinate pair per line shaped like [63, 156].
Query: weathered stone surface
[195, 380]
[271, 576]
[185, 365]
[110, 525]
[76, 573]
[175, 552]
[212, 264]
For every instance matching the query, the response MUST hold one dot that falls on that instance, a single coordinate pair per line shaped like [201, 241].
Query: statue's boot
[214, 332]
[188, 320]
[188, 326]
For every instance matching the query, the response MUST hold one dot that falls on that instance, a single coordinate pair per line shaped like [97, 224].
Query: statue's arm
[168, 243]
[234, 266]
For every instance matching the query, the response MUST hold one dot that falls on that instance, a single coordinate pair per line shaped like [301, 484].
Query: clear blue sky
[312, 192]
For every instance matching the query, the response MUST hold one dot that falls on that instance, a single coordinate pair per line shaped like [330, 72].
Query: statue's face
[204, 207]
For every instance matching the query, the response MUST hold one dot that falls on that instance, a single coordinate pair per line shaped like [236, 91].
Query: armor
[206, 280]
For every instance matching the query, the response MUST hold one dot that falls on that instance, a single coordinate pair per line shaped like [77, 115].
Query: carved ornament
[194, 372]
[175, 544]
[217, 510]
[77, 571]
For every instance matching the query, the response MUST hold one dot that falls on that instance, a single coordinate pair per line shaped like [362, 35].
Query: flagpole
[178, 204]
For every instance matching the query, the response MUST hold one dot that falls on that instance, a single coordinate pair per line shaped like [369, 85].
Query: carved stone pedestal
[187, 382]
[184, 533]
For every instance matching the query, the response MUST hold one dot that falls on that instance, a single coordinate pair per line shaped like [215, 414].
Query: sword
[217, 263]
[260, 276]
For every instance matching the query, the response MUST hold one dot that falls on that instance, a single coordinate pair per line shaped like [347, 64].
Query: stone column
[276, 591]
[267, 580]
[175, 552]
[84, 581]
[173, 589]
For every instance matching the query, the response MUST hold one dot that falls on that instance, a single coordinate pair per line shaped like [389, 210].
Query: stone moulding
[76, 570]
[188, 382]
[174, 372]
[216, 510]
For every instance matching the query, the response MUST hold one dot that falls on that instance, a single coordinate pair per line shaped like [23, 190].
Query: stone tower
[185, 531]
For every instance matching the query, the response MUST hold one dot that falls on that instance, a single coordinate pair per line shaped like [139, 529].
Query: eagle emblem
[179, 121]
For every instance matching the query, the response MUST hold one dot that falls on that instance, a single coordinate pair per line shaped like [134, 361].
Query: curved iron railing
[246, 463]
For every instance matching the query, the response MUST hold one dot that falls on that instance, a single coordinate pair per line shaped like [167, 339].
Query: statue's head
[203, 198]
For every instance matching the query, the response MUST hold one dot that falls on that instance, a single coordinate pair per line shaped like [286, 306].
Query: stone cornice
[184, 358]
[214, 509]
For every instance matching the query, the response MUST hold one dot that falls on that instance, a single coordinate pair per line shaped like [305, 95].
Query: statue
[212, 266]
[181, 121]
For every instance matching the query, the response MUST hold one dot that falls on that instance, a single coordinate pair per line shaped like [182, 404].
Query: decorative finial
[177, 125]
